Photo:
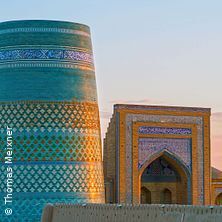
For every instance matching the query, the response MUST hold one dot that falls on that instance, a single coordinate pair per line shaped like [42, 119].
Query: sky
[153, 52]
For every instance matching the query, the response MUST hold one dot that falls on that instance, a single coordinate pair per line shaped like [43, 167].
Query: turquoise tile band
[48, 97]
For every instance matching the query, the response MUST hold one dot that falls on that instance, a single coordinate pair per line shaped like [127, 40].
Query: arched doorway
[166, 196]
[219, 199]
[166, 182]
[145, 196]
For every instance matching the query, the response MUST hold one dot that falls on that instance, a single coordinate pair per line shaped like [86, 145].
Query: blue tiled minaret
[48, 98]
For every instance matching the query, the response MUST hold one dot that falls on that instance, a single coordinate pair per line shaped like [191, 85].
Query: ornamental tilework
[45, 54]
[55, 30]
[55, 146]
[164, 130]
[160, 171]
[50, 116]
[130, 118]
[48, 98]
[181, 148]
[56, 150]
[45, 177]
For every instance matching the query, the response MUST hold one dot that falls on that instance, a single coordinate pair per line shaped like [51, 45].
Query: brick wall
[109, 161]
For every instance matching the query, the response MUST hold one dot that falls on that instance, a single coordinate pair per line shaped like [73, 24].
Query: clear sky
[147, 51]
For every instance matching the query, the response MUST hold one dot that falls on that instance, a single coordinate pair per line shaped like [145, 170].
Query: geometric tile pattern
[56, 154]
[45, 54]
[45, 177]
[164, 130]
[52, 109]
[130, 118]
[52, 132]
[160, 171]
[181, 148]
[47, 116]
[160, 167]
[55, 147]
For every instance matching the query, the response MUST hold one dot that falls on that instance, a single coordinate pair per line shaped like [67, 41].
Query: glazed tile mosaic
[56, 178]
[49, 133]
[130, 118]
[48, 98]
[181, 148]
[164, 130]
[45, 54]
[160, 170]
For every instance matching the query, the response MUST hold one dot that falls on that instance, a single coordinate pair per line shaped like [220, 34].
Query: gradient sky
[147, 51]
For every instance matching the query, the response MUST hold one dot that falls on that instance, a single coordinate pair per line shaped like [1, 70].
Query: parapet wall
[131, 213]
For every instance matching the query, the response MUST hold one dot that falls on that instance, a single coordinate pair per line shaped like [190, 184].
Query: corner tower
[48, 97]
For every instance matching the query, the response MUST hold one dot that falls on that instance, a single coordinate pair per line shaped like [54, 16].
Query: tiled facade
[48, 98]
[45, 54]
[164, 130]
[144, 133]
[181, 148]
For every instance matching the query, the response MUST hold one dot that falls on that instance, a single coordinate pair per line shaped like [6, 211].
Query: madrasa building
[160, 154]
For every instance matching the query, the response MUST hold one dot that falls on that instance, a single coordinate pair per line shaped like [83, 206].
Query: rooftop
[167, 108]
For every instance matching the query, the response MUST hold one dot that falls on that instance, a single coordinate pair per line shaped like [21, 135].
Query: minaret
[49, 110]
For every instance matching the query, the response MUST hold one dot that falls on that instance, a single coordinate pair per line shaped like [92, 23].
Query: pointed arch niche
[166, 180]
[182, 188]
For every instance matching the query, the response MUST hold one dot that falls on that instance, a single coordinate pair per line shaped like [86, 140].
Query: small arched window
[167, 196]
[145, 196]
[219, 199]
